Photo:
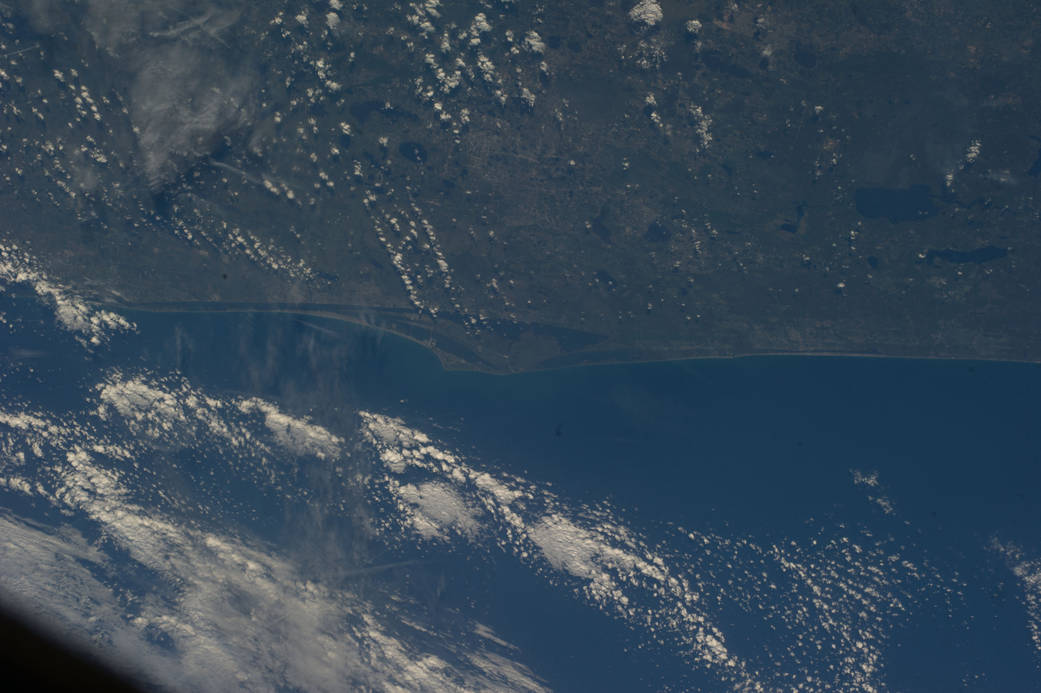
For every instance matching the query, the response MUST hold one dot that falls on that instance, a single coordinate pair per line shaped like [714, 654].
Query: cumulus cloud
[834, 596]
[1028, 572]
[646, 13]
[91, 325]
[186, 603]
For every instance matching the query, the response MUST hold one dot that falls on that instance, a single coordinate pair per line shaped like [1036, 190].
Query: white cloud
[438, 507]
[619, 573]
[566, 546]
[295, 434]
[91, 325]
[220, 611]
[832, 598]
[534, 43]
[876, 495]
[239, 613]
[1028, 572]
[646, 12]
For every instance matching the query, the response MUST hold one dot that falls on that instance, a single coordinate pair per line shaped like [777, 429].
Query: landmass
[523, 185]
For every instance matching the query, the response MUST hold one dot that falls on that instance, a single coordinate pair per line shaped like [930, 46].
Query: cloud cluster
[187, 603]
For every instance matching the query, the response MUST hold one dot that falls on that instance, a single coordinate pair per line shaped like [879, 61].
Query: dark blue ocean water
[764, 448]
[758, 447]
[715, 439]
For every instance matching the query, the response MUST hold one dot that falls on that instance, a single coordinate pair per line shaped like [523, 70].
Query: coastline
[456, 357]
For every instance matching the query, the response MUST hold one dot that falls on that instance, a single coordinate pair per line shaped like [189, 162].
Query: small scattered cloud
[92, 326]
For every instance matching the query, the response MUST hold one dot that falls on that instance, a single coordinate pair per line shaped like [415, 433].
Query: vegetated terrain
[524, 185]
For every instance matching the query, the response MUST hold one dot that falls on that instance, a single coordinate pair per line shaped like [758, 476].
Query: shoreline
[430, 343]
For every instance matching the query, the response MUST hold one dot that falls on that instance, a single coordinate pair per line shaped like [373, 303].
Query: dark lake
[895, 204]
